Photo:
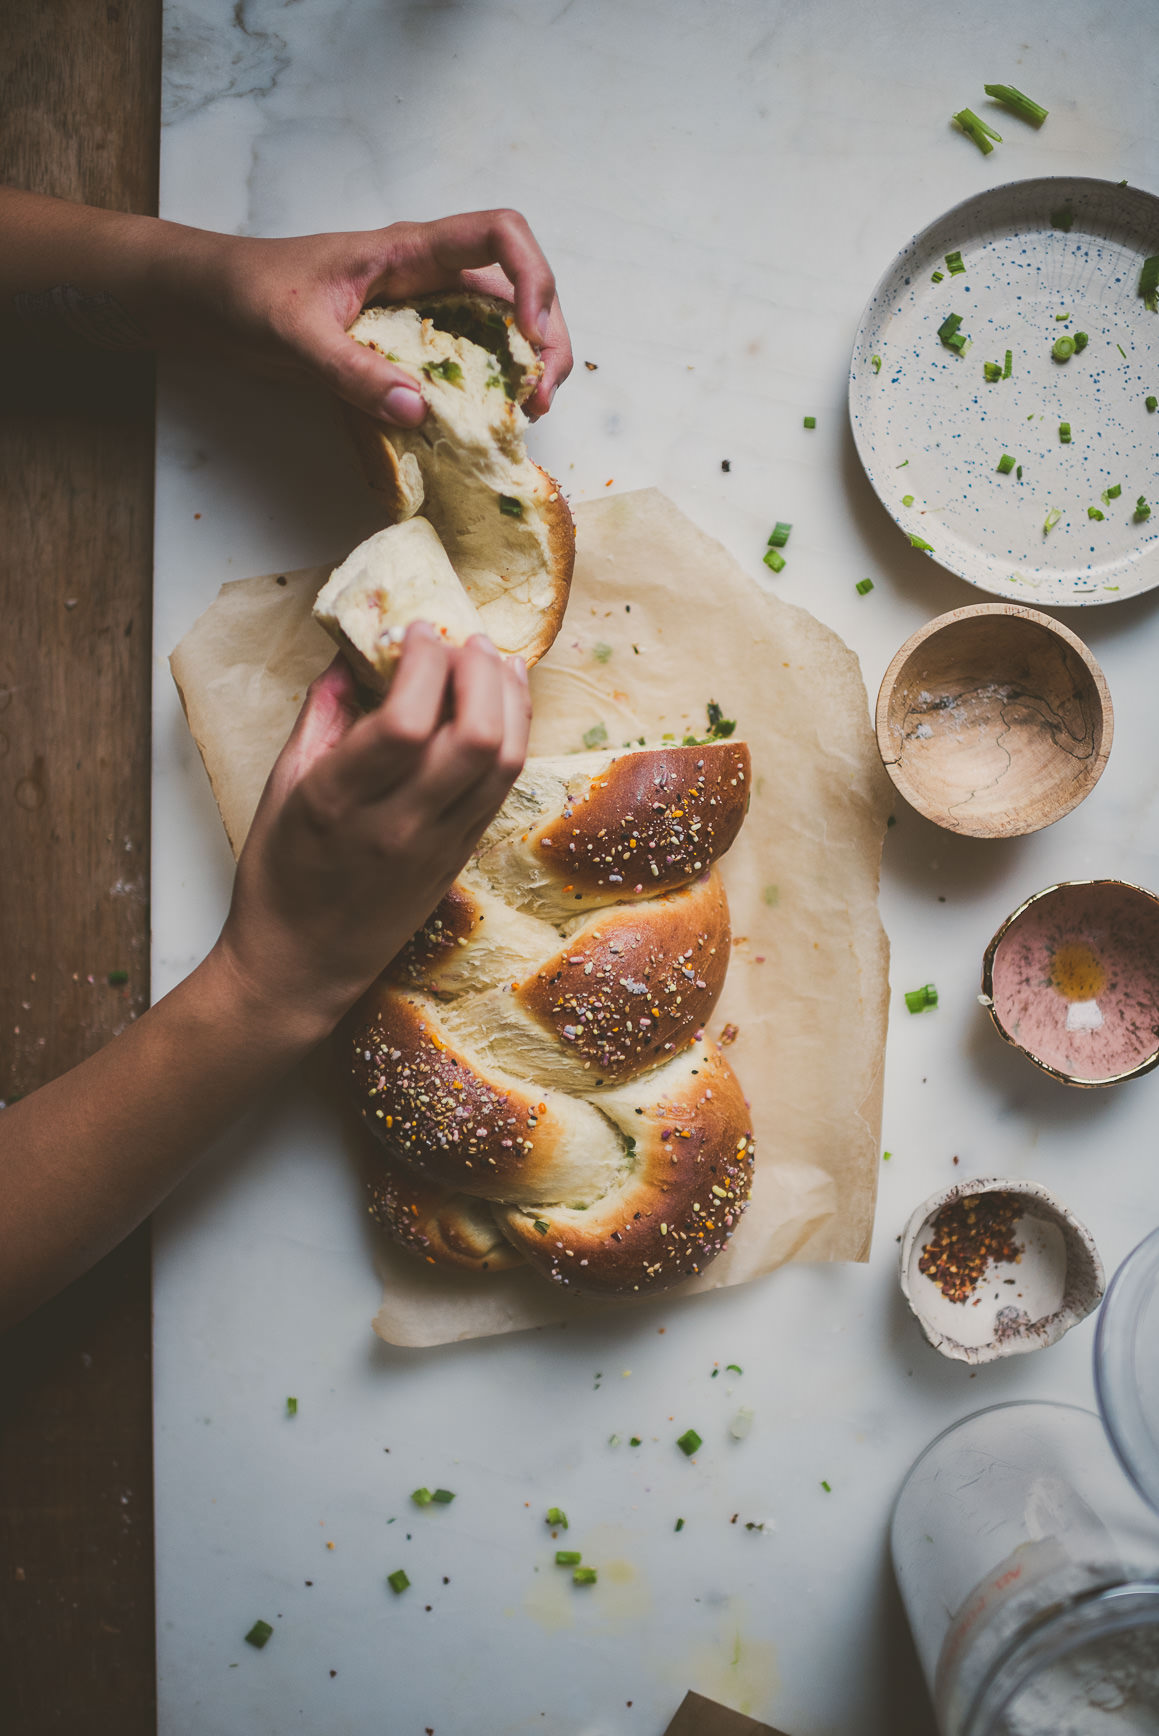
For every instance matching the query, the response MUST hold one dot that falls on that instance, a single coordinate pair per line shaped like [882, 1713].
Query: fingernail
[520, 669]
[483, 643]
[404, 406]
[544, 325]
[420, 630]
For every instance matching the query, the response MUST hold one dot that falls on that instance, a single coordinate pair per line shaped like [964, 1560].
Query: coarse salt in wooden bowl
[1072, 979]
[994, 1268]
[994, 720]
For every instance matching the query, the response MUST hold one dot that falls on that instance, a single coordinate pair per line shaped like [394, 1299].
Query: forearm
[87, 1157]
[105, 277]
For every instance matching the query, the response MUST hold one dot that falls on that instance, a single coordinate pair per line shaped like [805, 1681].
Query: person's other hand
[286, 306]
[366, 820]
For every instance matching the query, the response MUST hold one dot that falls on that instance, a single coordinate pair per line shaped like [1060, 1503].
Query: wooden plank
[79, 114]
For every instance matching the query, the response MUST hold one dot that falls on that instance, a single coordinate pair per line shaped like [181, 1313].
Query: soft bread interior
[399, 575]
[501, 519]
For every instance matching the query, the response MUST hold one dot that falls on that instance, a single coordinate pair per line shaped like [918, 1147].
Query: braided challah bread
[534, 1061]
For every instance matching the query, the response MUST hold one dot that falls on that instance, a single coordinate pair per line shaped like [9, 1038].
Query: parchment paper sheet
[661, 620]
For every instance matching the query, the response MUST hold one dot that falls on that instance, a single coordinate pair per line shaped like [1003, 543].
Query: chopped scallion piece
[810, 421]
[443, 1497]
[1018, 474]
[117, 977]
[291, 1407]
[1110, 494]
[421, 1497]
[1121, 351]
[542, 1225]
[1064, 433]
[1152, 403]
[1081, 340]
[863, 587]
[1149, 283]
[733, 1368]
[557, 1516]
[510, 507]
[1062, 316]
[954, 264]
[449, 371]
[634, 1441]
[779, 535]
[948, 331]
[259, 1634]
[907, 499]
[774, 559]
[689, 1442]
[1051, 520]
[937, 276]
[1024, 107]
[596, 736]
[1063, 219]
[992, 371]
[875, 364]
[920, 543]
[1008, 365]
[1093, 512]
[917, 1000]
[679, 1525]
[1142, 510]
[827, 1488]
[397, 1581]
[967, 122]
[1005, 464]
[568, 1557]
[584, 1576]
[1063, 348]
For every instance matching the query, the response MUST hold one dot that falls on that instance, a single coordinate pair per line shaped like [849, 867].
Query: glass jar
[1127, 1366]
[1029, 1568]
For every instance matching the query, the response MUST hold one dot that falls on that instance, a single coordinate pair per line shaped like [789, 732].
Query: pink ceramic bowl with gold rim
[1072, 979]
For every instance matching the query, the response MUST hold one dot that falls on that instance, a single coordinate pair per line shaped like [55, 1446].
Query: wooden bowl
[994, 720]
[1072, 979]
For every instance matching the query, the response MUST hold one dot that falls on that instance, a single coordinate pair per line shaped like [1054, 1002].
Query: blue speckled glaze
[937, 411]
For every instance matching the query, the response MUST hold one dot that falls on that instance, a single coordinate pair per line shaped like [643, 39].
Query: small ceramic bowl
[994, 720]
[1023, 1303]
[1072, 979]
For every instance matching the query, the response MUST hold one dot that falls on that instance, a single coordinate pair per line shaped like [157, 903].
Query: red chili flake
[969, 1236]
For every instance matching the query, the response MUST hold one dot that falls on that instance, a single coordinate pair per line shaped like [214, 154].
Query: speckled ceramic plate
[928, 425]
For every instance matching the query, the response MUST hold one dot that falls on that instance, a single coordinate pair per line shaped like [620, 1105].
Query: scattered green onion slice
[291, 1407]
[1121, 351]
[542, 1225]
[937, 276]
[1018, 474]
[557, 1516]
[1024, 107]
[1064, 433]
[397, 1581]
[1005, 464]
[1142, 510]
[1063, 219]
[828, 1490]
[733, 1368]
[1110, 494]
[992, 371]
[568, 1557]
[1062, 316]
[689, 1442]
[907, 499]
[949, 327]
[779, 535]
[1081, 340]
[421, 1497]
[774, 559]
[449, 371]
[1149, 283]
[259, 1634]
[954, 264]
[443, 1497]
[584, 1576]
[634, 1441]
[810, 421]
[920, 543]
[679, 1525]
[1063, 348]
[917, 1000]
[863, 587]
[510, 507]
[967, 122]
[875, 364]
[1008, 365]
[1152, 403]
[1093, 512]
[117, 977]
[1051, 520]
[596, 736]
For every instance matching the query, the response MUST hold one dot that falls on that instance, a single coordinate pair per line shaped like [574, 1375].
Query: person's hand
[366, 820]
[286, 306]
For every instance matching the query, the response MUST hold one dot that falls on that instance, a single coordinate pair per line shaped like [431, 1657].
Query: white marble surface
[718, 188]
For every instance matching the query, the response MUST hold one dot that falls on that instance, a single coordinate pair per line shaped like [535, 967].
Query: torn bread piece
[398, 575]
[501, 519]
